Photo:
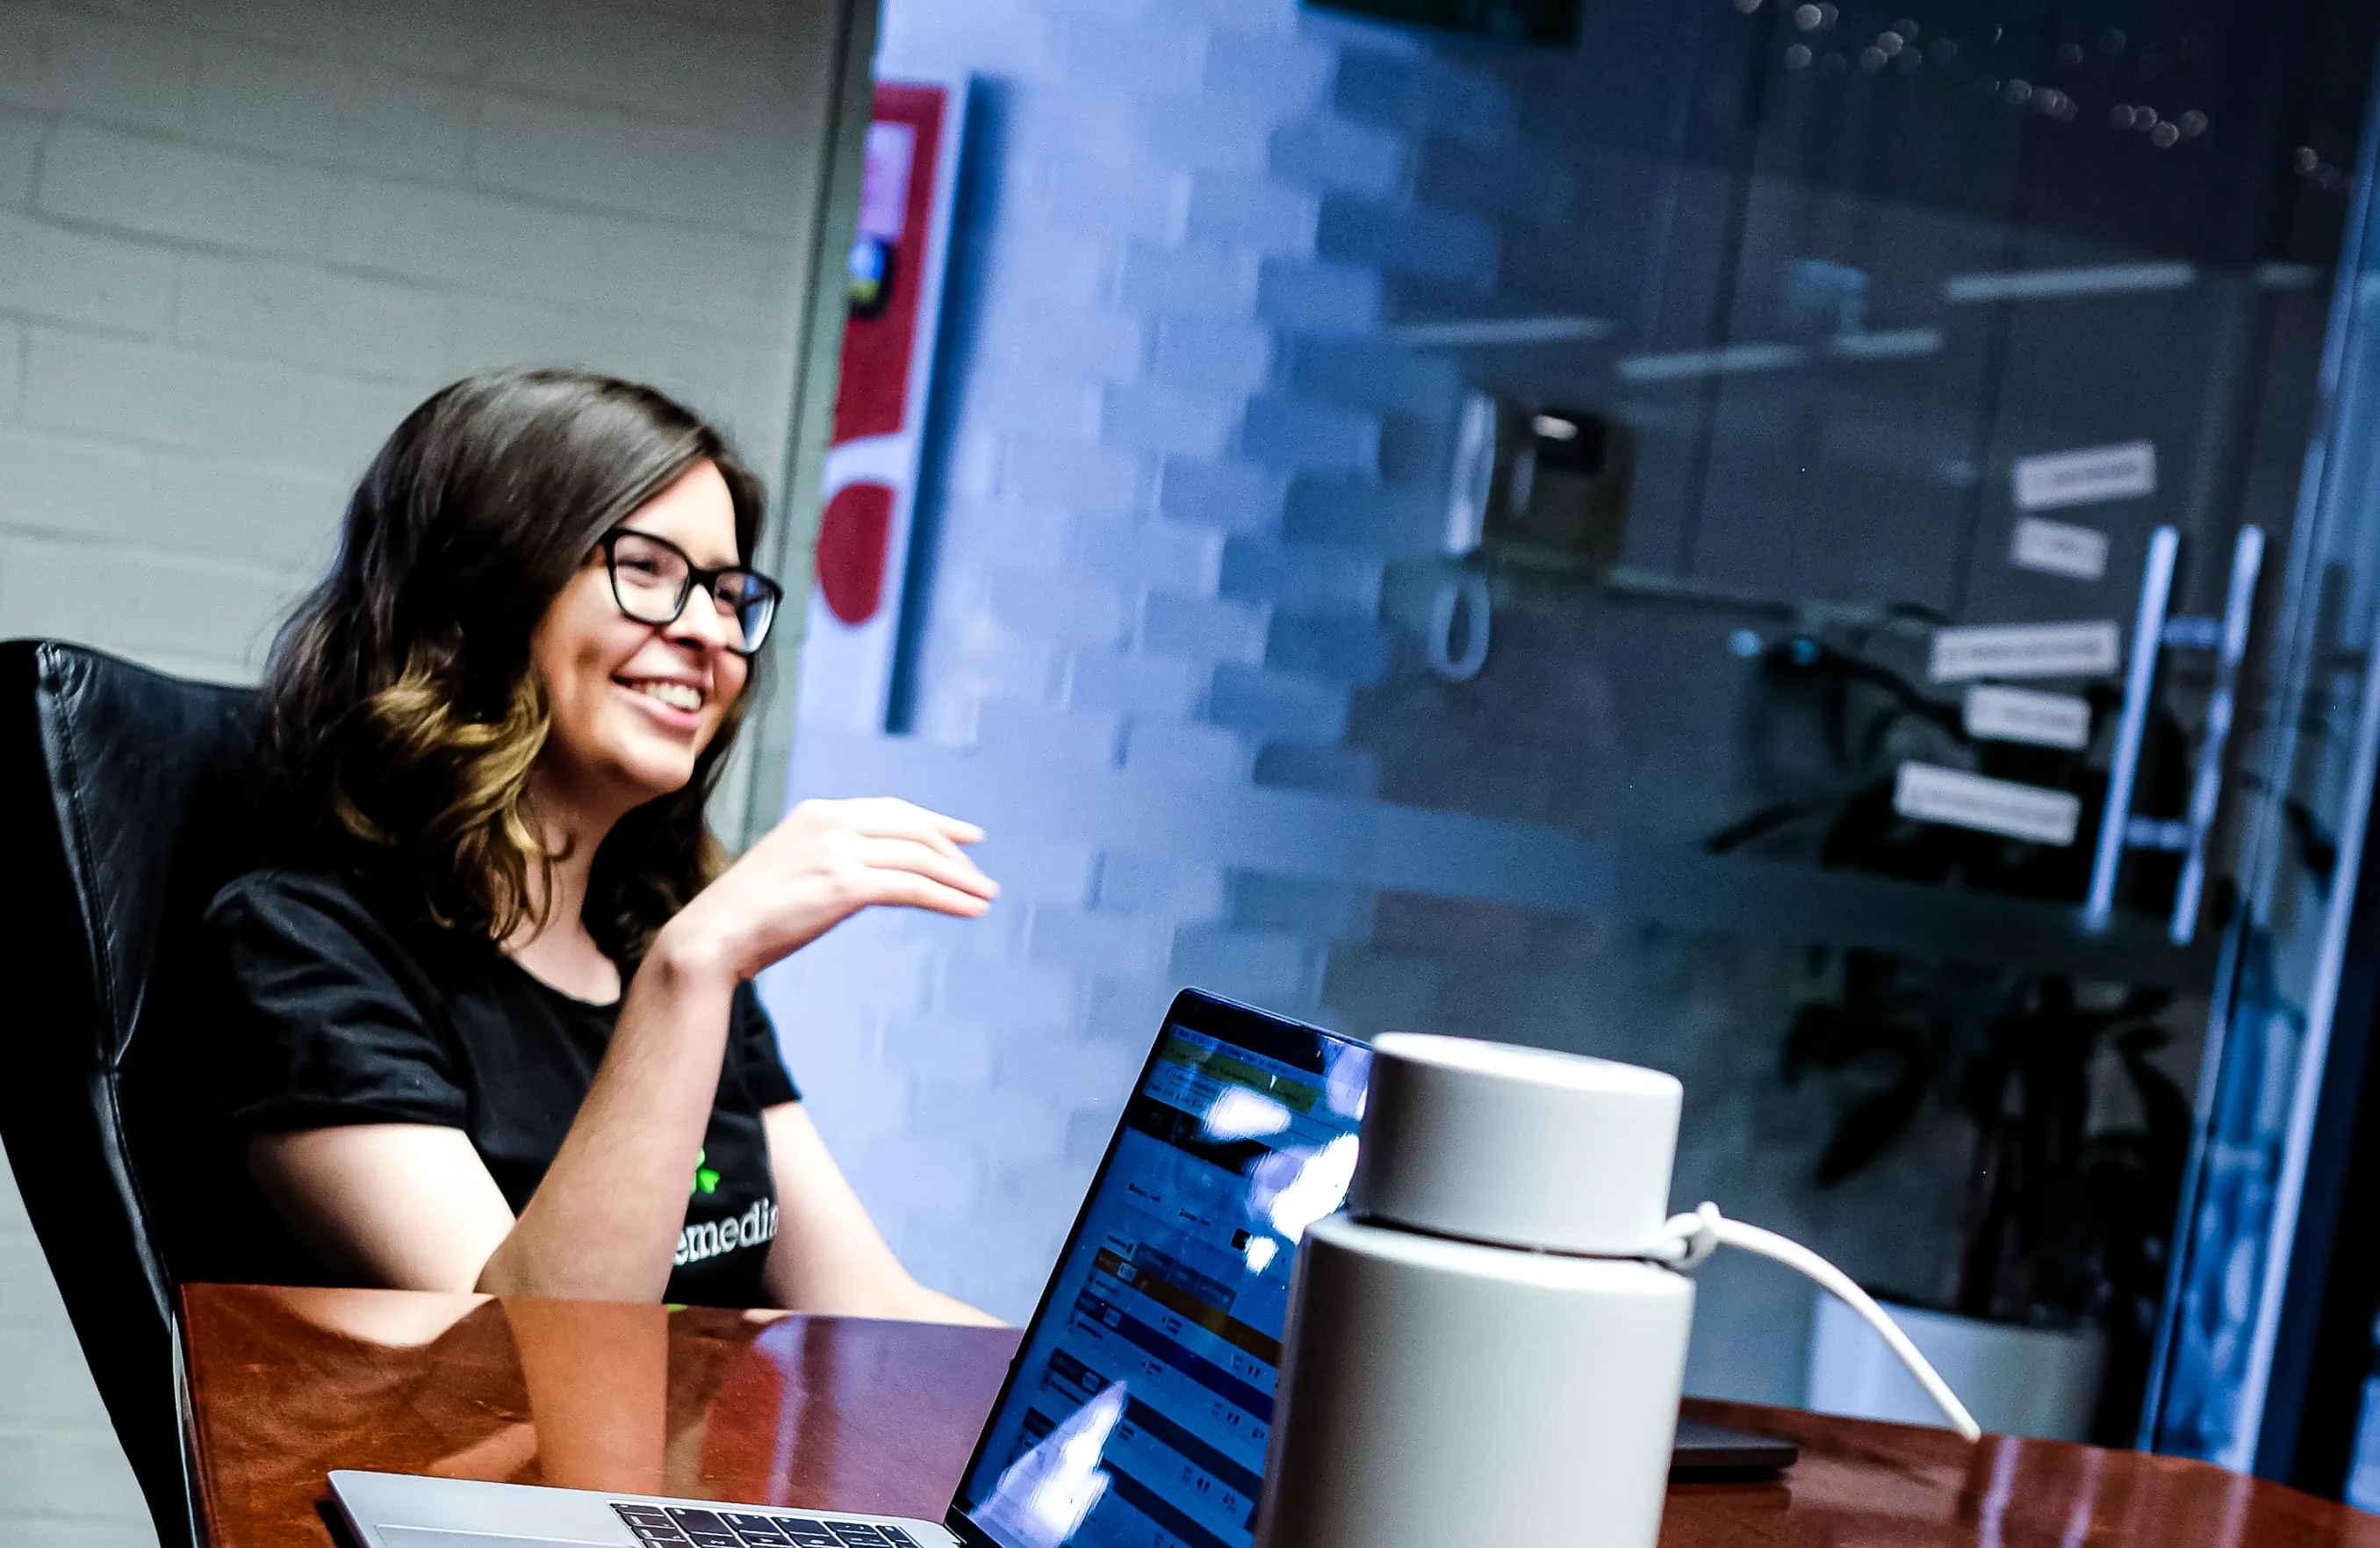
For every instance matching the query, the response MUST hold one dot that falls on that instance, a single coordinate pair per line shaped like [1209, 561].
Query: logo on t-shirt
[708, 1239]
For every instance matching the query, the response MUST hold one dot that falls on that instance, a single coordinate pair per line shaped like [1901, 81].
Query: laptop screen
[1138, 1407]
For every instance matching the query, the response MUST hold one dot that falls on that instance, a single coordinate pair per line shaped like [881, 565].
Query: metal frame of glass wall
[2260, 1209]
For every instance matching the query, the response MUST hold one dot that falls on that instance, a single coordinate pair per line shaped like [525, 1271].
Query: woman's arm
[829, 1256]
[603, 1222]
[411, 1206]
[408, 1206]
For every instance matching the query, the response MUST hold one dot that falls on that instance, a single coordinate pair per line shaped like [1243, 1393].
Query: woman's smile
[677, 701]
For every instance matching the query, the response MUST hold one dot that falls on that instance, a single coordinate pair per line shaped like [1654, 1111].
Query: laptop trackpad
[434, 1537]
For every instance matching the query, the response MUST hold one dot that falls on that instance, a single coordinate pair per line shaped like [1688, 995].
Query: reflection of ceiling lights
[2315, 169]
[1241, 1113]
[1734, 357]
[2287, 277]
[2102, 279]
[1481, 332]
[1905, 47]
[1319, 1187]
[2164, 133]
[1896, 344]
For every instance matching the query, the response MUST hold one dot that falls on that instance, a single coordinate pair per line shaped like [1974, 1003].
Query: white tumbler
[1475, 1353]
[1487, 1346]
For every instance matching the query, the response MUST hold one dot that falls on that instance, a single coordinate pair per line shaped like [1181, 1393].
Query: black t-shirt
[333, 1018]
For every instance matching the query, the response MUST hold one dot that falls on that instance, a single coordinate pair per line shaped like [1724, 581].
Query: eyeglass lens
[652, 581]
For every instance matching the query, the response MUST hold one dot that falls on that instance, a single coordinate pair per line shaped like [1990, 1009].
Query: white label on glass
[2086, 476]
[2087, 649]
[2023, 715]
[1932, 793]
[2060, 548]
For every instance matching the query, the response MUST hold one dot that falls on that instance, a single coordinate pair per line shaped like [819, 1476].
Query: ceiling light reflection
[1241, 1113]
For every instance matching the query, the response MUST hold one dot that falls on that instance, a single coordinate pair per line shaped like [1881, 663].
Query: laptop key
[807, 1532]
[897, 1535]
[705, 1529]
[858, 1534]
[651, 1524]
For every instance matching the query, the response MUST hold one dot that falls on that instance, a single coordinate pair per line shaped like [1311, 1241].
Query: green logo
[705, 1179]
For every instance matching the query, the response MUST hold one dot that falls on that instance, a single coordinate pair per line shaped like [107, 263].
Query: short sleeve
[325, 1019]
[765, 1077]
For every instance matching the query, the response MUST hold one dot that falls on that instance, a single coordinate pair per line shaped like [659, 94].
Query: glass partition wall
[1813, 547]
[1874, 401]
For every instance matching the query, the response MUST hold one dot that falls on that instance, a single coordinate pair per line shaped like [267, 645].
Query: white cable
[1704, 1231]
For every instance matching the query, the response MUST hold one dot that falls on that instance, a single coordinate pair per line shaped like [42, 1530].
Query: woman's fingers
[908, 882]
[831, 858]
[890, 817]
[907, 889]
[954, 870]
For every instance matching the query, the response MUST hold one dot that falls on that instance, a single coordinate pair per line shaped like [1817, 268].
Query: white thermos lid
[1498, 1143]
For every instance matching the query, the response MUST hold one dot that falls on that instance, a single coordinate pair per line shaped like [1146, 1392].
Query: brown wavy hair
[402, 714]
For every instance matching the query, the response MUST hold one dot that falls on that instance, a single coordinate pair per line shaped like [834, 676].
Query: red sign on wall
[897, 268]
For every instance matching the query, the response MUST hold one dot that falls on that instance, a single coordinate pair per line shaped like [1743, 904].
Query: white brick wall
[236, 246]
[63, 1479]
[238, 239]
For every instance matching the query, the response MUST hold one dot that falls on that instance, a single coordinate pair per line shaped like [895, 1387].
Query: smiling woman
[488, 1021]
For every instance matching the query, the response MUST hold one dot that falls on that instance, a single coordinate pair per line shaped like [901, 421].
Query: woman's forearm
[605, 1220]
[602, 1223]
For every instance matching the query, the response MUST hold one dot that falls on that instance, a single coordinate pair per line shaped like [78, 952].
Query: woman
[490, 1023]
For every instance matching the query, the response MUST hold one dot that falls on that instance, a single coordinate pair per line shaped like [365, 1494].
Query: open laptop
[1136, 1409]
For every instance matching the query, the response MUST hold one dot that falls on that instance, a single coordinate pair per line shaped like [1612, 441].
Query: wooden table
[836, 1413]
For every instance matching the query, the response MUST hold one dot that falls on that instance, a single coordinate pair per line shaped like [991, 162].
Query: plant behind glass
[2063, 1221]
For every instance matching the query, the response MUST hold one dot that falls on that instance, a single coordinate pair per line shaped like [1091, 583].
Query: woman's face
[635, 704]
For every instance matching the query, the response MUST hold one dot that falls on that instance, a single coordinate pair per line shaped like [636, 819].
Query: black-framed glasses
[652, 577]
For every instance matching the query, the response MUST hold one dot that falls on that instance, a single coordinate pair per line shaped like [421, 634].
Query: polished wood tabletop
[839, 1413]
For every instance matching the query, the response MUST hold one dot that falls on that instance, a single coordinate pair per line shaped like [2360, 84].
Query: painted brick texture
[1112, 591]
[236, 245]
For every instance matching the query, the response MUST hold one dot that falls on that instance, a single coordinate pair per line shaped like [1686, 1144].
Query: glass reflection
[1241, 1113]
[597, 1380]
[1045, 1494]
[1316, 1183]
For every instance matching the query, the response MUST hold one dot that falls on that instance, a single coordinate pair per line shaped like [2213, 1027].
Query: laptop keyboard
[683, 1527]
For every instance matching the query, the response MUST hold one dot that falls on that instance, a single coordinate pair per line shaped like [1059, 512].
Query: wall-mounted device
[870, 269]
[1542, 487]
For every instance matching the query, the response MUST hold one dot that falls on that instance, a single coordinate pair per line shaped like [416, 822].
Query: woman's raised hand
[822, 864]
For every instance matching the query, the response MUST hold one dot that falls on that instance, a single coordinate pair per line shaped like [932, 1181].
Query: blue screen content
[1143, 1400]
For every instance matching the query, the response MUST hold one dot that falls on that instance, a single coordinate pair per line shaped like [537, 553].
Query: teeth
[677, 695]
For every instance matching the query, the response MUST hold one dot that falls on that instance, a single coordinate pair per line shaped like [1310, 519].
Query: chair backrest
[127, 798]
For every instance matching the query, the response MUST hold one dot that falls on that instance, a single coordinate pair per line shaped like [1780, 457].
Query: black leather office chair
[127, 798]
